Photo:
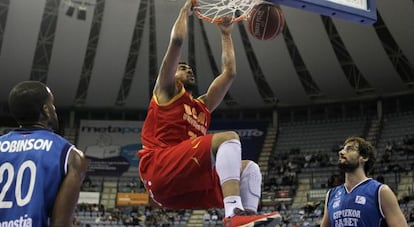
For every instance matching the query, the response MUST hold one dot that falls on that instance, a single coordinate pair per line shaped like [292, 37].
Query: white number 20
[31, 166]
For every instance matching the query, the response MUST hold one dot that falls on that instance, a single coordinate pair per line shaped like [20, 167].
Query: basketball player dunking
[182, 166]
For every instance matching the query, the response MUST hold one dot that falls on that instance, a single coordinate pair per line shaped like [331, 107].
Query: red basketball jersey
[171, 123]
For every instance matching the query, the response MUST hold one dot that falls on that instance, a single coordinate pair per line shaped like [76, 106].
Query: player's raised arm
[222, 83]
[165, 86]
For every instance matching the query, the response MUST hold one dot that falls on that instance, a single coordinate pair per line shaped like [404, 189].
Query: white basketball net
[213, 10]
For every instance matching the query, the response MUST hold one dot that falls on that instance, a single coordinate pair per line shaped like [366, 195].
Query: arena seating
[297, 161]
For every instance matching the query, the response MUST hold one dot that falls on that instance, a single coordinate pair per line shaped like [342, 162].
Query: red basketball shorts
[182, 176]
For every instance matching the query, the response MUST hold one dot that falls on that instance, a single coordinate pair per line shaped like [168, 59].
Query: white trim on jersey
[379, 200]
[65, 165]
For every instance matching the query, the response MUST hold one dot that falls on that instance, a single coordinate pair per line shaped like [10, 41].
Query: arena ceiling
[110, 58]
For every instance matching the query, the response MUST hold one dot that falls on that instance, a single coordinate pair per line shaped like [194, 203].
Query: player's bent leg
[221, 137]
[250, 191]
[250, 185]
[228, 165]
[228, 161]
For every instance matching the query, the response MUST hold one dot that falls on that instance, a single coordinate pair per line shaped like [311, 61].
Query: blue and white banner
[110, 146]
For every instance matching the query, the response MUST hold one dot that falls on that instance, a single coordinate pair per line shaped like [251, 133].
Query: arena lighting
[82, 12]
[71, 9]
[80, 6]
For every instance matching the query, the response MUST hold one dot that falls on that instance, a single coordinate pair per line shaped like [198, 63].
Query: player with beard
[360, 201]
[181, 165]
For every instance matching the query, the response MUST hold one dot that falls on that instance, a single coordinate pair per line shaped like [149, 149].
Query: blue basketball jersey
[32, 166]
[359, 207]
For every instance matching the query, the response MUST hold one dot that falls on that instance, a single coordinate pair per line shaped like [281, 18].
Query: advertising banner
[252, 135]
[110, 146]
[89, 197]
[132, 199]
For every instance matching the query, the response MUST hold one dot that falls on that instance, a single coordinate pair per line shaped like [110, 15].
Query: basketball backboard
[359, 11]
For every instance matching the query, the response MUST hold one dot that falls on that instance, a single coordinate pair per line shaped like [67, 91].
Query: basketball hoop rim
[219, 21]
[244, 16]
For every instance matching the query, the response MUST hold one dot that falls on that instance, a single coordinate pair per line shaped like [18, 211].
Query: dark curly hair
[366, 150]
[26, 101]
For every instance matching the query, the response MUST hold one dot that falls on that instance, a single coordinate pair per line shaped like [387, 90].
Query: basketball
[265, 21]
